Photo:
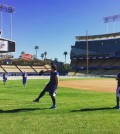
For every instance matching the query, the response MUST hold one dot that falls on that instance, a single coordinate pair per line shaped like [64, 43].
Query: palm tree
[22, 53]
[42, 55]
[65, 53]
[45, 53]
[36, 47]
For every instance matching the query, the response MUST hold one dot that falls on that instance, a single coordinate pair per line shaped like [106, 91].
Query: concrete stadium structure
[96, 55]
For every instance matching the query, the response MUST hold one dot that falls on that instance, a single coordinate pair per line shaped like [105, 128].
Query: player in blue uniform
[118, 92]
[51, 87]
[4, 78]
[24, 80]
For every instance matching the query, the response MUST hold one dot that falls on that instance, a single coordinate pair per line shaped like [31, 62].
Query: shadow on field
[92, 109]
[21, 110]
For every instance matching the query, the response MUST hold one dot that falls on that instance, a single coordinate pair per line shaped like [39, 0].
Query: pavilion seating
[48, 67]
[26, 69]
[1, 70]
[10, 68]
[39, 68]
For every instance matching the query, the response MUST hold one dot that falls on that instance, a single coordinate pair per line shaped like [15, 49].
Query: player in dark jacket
[51, 87]
[118, 92]
[24, 80]
[4, 78]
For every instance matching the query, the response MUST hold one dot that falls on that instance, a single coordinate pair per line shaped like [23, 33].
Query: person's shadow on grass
[21, 110]
[93, 109]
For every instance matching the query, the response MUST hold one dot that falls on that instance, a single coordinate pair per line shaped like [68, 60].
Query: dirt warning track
[103, 85]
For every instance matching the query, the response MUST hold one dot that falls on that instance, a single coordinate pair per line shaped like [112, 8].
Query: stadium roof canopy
[98, 37]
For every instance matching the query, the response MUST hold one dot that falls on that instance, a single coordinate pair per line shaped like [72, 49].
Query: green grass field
[78, 111]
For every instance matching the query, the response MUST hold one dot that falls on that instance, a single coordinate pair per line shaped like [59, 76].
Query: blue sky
[53, 24]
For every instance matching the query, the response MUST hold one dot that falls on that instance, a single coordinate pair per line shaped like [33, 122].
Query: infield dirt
[103, 85]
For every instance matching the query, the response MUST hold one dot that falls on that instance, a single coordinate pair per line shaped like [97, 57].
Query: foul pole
[87, 53]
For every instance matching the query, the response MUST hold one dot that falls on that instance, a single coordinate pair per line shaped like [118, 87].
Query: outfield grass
[78, 111]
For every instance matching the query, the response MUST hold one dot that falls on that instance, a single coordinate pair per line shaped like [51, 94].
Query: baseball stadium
[85, 95]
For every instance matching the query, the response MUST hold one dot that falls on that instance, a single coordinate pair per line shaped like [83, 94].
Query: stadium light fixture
[9, 9]
[111, 19]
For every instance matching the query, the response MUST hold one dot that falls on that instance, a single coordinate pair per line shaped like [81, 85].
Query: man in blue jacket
[51, 87]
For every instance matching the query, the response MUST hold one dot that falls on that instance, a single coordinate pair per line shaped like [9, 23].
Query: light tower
[111, 19]
[8, 9]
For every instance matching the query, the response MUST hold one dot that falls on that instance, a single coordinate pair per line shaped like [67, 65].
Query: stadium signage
[27, 57]
[3, 45]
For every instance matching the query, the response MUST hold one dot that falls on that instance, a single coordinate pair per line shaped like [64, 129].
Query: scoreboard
[6, 46]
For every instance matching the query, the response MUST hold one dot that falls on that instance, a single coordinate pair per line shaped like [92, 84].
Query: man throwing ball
[51, 87]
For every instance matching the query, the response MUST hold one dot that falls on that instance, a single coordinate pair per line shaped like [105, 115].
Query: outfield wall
[61, 77]
[29, 77]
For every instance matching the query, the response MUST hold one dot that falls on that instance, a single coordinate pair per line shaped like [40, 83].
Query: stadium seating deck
[73, 63]
[10, 68]
[103, 54]
[1, 70]
[48, 67]
[117, 63]
[39, 68]
[81, 73]
[27, 69]
[19, 69]
[81, 63]
[97, 72]
[112, 72]
[96, 63]
[108, 62]
[71, 73]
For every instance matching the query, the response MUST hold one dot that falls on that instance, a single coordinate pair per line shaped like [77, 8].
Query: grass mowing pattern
[78, 111]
